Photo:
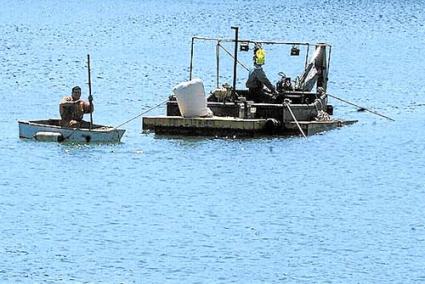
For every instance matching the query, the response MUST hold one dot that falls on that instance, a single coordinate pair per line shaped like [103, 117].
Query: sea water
[343, 207]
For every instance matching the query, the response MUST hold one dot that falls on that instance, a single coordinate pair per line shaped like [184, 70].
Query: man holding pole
[72, 109]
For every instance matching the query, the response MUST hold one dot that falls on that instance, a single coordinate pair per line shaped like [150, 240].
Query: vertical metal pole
[236, 59]
[191, 60]
[327, 68]
[217, 53]
[306, 57]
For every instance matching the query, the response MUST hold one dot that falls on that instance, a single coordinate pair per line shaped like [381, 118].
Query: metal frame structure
[236, 41]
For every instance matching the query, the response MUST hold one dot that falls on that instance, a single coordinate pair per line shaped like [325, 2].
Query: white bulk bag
[191, 98]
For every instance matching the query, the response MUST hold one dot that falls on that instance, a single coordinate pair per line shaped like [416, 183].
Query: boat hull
[249, 119]
[98, 134]
[234, 127]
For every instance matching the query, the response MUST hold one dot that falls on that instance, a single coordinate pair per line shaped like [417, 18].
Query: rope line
[360, 107]
[243, 65]
[139, 115]
[296, 121]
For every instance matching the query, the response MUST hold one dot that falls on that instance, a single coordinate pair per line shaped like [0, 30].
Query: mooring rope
[293, 116]
[360, 107]
[139, 115]
[69, 136]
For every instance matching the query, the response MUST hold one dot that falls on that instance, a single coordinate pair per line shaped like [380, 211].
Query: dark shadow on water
[184, 140]
[199, 138]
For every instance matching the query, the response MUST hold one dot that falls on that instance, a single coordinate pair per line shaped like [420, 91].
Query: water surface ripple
[343, 207]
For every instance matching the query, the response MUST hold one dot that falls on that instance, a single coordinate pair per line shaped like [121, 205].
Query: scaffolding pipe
[306, 57]
[235, 61]
[217, 52]
[257, 41]
[191, 59]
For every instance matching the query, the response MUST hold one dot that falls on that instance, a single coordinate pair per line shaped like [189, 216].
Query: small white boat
[51, 130]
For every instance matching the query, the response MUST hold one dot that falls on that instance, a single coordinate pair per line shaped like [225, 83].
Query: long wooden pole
[90, 95]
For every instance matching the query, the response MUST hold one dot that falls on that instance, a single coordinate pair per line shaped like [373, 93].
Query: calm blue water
[343, 207]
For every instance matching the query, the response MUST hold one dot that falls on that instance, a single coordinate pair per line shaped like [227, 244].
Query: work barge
[300, 108]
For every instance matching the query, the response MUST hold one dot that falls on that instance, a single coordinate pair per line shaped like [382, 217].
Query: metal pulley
[295, 50]
[244, 46]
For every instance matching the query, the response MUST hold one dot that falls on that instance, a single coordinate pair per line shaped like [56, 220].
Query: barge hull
[232, 127]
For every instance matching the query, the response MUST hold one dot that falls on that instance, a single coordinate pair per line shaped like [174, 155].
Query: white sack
[191, 99]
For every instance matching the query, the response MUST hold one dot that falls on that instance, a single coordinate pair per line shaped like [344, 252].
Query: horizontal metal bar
[259, 41]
